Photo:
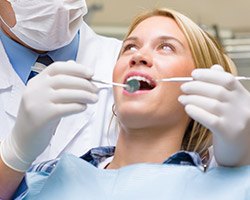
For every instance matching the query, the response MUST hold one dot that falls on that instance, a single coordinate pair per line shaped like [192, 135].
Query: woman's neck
[146, 145]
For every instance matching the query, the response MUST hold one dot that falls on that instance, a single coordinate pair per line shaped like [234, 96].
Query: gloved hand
[220, 102]
[60, 90]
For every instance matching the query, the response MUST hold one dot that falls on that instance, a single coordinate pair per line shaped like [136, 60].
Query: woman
[153, 125]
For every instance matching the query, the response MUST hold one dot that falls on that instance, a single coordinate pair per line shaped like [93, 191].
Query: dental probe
[131, 86]
[110, 84]
[134, 85]
[184, 79]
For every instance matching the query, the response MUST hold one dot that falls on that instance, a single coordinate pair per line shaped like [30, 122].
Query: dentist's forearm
[9, 180]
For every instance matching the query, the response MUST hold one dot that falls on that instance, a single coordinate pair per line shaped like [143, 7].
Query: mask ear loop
[4, 22]
[10, 28]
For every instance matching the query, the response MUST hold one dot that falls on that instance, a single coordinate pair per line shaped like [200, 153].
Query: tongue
[145, 86]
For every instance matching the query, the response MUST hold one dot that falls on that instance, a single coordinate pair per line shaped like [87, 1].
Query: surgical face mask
[47, 25]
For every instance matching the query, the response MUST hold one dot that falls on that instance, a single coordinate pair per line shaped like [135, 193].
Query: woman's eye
[166, 47]
[130, 47]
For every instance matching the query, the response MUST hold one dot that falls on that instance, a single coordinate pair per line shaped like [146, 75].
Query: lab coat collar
[20, 57]
[9, 80]
[6, 75]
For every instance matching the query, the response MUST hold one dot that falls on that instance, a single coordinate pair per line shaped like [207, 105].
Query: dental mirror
[134, 85]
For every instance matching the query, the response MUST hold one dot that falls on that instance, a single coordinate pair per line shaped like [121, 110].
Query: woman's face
[155, 49]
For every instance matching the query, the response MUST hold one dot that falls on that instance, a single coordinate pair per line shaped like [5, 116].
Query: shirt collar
[98, 154]
[22, 58]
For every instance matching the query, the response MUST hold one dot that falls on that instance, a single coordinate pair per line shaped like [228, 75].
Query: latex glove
[60, 90]
[220, 102]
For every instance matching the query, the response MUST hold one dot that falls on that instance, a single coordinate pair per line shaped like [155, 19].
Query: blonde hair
[205, 52]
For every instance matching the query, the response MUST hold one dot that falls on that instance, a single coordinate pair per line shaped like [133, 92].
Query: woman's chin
[134, 120]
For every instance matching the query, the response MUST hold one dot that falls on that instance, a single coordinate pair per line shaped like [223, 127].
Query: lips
[146, 81]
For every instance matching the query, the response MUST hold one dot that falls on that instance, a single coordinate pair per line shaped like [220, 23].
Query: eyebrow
[171, 38]
[159, 38]
[130, 38]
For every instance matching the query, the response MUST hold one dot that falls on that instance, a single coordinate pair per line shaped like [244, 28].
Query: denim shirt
[97, 155]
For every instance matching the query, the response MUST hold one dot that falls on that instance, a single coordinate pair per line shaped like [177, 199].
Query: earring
[113, 109]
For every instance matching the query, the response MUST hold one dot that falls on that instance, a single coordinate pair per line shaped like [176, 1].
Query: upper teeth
[139, 78]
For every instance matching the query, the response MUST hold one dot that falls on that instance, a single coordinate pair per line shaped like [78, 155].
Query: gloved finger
[205, 118]
[69, 68]
[63, 110]
[73, 96]
[210, 105]
[205, 89]
[217, 77]
[71, 82]
[217, 67]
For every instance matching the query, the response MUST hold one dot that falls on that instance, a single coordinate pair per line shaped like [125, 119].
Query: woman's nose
[140, 59]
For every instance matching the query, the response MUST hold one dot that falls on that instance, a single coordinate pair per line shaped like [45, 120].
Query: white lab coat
[80, 132]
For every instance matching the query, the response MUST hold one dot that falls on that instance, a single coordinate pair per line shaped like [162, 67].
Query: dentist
[55, 29]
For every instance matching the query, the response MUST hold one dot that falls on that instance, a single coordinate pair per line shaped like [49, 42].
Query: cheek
[171, 109]
[182, 71]
[170, 91]
[177, 67]
[118, 77]
[119, 71]
[115, 73]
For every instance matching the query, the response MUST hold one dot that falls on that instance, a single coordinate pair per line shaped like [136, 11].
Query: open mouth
[139, 83]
